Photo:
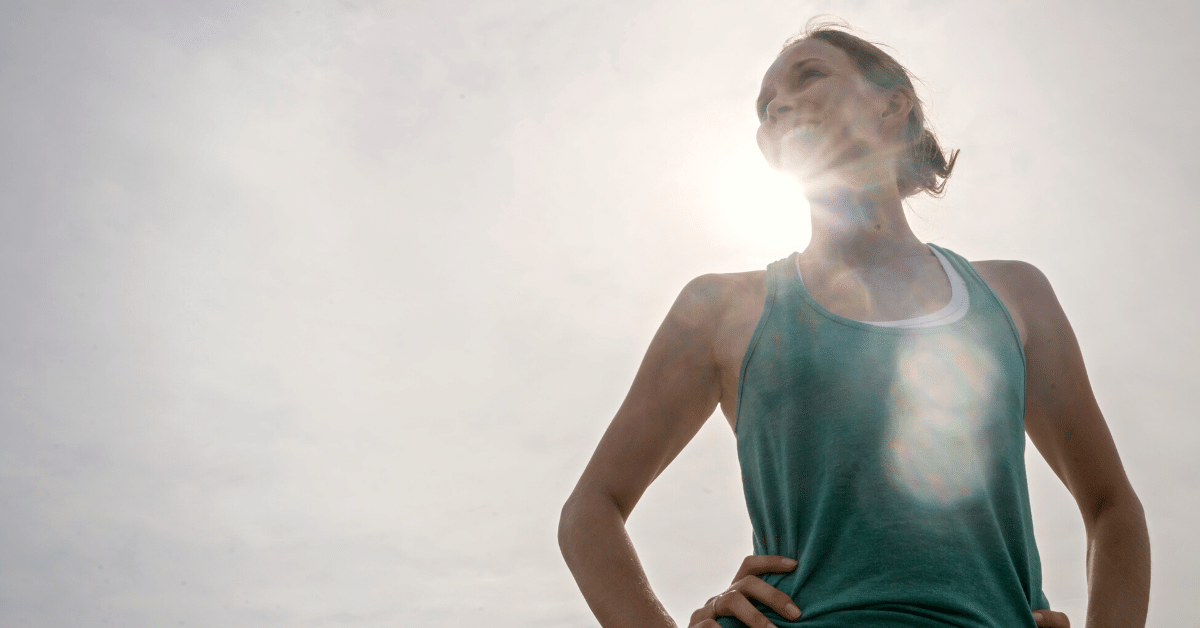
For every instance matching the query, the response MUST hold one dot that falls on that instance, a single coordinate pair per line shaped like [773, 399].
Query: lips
[805, 132]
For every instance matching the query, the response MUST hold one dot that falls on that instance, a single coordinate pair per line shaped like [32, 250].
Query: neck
[860, 227]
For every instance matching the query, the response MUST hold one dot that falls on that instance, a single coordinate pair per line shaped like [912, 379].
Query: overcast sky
[314, 311]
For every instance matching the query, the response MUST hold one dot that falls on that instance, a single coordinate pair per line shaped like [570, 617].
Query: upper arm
[675, 390]
[1062, 417]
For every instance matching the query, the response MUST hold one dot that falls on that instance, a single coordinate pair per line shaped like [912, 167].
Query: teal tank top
[890, 463]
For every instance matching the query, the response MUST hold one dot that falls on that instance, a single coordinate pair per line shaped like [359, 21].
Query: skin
[863, 263]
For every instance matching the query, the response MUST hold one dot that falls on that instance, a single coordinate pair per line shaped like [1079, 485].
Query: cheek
[866, 119]
[865, 124]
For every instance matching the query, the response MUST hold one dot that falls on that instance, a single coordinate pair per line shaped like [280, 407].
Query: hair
[925, 167]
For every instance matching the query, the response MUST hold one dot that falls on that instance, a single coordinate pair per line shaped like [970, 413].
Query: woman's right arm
[675, 390]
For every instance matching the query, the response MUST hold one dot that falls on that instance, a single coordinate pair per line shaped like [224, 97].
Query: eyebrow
[801, 63]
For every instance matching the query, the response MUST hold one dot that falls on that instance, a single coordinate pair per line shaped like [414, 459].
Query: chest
[905, 288]
[863, 295]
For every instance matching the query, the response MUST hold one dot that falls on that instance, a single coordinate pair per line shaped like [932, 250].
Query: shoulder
[719, 313]
[714, 296]
[1025, 291]
[1022, 280]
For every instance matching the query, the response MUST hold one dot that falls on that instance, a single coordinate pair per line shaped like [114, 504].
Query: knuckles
[728, 601]
[747, 565]
[746, 582]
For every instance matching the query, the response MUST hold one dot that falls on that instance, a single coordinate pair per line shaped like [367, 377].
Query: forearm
[1118, 567]
[598, 551]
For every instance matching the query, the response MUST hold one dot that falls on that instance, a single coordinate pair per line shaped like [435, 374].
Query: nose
[771, 110]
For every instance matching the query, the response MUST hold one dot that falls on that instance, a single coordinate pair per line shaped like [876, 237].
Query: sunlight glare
[756, 205]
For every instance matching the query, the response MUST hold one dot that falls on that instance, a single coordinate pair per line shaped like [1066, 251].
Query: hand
[735, 601]
[1046, 618]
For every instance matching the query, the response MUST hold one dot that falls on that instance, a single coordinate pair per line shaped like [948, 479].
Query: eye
[809, 73]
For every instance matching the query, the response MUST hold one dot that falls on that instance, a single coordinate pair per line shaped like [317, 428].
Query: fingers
[754, 588]
[747, 586]
[1046, 618]
[758, 565]
[702, 615]
[734, 603]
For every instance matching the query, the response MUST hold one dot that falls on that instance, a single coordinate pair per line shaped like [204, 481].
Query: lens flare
[755, 204]
[939, 448]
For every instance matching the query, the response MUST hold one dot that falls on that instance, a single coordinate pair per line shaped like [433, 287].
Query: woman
[880, 390]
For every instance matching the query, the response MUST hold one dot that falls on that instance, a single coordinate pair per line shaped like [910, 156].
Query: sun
[754, 205]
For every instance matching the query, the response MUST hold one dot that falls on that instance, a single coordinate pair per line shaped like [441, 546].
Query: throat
[862, 234]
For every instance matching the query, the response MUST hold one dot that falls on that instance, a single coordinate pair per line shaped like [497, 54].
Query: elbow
[571, 519]
[566, 520]
[585, 515]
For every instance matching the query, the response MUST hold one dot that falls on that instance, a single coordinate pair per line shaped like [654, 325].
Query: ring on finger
[714, 602]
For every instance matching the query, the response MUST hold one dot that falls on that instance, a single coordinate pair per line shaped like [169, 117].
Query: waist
[894, 615]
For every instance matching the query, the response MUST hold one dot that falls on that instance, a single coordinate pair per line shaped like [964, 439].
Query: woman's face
[819, 117]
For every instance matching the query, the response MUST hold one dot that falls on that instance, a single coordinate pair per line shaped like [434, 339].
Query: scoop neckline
[954, 311]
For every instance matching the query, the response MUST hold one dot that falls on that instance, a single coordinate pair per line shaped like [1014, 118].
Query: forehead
[808, 49]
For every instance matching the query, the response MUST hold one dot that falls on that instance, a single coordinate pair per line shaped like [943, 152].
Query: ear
[899, 104]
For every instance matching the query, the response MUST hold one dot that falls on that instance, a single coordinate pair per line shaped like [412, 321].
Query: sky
[313, 312]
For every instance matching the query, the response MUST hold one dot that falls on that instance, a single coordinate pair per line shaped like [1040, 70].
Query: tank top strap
[774, 282]
[985, 301]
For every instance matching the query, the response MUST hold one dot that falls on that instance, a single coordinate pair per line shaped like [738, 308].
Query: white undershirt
[954, 310]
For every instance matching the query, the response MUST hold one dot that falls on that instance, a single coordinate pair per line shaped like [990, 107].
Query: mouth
[805, 132]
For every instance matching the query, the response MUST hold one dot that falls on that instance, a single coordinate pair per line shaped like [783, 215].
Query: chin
[856, 168]
[810, 172]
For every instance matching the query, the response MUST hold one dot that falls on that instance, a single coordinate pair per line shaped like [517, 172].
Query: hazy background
[312, 312]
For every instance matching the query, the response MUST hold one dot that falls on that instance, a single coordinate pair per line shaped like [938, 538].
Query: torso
[865, 296]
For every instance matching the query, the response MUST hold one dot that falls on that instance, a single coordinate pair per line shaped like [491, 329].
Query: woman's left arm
[1064, 422]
